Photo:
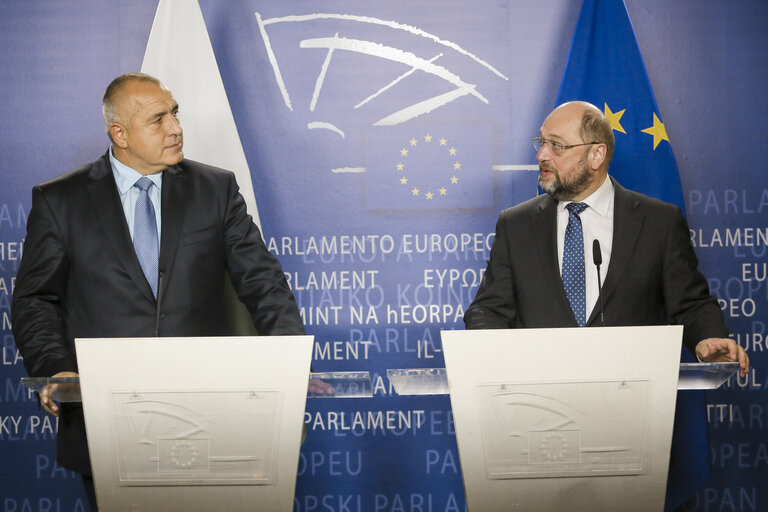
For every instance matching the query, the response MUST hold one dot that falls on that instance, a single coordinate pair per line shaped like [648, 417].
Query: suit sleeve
[686, 292]
[494, 306]
[256, 273]
[38, 326]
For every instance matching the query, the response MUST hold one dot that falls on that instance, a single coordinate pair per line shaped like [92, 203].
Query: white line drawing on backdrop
[414, 63]
[374, 49]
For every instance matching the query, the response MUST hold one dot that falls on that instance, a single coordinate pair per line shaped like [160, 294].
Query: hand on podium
[723, 350]
[318, 387]
[47, 393]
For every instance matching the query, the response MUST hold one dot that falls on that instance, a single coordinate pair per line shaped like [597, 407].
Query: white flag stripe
[180, 54]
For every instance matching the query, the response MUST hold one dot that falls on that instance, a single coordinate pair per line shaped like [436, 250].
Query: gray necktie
[145, 233]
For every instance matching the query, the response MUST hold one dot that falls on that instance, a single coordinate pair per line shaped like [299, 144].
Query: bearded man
[537, 272]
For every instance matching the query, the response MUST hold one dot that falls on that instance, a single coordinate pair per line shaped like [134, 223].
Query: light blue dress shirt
[125, 178]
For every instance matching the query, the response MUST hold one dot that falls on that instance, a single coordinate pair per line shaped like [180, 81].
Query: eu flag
[605, 68]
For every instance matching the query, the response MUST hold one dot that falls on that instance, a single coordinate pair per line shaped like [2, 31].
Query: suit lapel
[103, 192]
[174, 205]
[626, 230]
[544, 226]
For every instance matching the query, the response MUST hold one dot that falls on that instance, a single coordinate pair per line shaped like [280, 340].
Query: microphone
[160, 302]
[597, 257]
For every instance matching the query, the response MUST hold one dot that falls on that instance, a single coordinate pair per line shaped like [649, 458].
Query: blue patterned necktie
[145, 233]
[573, 263]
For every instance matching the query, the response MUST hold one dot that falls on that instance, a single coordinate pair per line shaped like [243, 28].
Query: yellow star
[443, 141]
[614, 119]
[403, 180]
[443, 191]
[454, 179]
[413, 142]
[452, 151]
[415, 191]
[400, 167]
[427, 138]
[404, 152]
[430, 195]
[657, 130]
[457, 166]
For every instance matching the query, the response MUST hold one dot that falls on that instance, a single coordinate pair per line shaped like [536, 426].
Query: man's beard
[567, 191]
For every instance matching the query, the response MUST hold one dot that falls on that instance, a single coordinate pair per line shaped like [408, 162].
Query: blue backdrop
[383, 139]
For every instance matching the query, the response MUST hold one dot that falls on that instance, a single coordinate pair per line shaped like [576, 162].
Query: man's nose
[174, 126]
[543, 153]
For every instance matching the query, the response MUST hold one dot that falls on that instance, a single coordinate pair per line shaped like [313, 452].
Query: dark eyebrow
[160, 115]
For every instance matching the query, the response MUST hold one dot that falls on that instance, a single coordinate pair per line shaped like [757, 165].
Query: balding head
[592, 125]
[575, 148]
[142, 119]
[113, 102]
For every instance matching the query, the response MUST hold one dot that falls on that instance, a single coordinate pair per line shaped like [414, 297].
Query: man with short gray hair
[137, 244]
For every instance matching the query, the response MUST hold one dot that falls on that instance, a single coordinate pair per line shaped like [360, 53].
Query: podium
[181, 424]
[563, 419]
[195, 424]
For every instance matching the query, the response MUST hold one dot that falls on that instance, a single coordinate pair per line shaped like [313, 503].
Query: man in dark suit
[649, 268]
[105, 256]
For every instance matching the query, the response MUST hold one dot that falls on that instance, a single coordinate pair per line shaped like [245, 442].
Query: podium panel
[564, 419]
[560, 429]
[188, 424]
[195, 437]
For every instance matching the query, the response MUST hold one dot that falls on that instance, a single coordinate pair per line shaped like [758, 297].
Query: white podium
[564, 419]
[194, 424]
[197, 423]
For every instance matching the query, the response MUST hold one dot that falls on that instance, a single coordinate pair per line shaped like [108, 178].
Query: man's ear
[118, 135]
[597, 156]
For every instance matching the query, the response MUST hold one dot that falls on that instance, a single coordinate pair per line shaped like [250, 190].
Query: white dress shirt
[596, 224]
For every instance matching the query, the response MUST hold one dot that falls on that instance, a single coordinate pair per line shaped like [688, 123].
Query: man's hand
[318, 387]
[46, 393]
[723, 350]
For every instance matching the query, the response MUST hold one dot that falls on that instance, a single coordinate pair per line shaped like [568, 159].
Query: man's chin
[548, 185]
[177, 157]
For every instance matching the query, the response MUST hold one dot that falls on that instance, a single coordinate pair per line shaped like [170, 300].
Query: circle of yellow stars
[428, 194]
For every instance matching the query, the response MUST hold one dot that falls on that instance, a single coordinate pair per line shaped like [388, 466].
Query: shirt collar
[599, 201]
[126, 177]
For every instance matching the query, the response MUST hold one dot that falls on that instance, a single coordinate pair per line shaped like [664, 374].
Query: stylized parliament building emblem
[419, 105]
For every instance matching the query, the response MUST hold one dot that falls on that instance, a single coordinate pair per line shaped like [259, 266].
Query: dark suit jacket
[80, 278]
[652, 277]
